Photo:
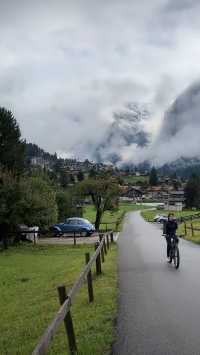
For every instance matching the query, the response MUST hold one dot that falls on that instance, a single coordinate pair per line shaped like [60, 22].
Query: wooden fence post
[75, 238]
[98, 260]
[104, 246]
[102, 249]
[192, 229]
[34, 238]
[116, 226]
[111, 237]
[68, 322]
[89, 279]
[107, 241]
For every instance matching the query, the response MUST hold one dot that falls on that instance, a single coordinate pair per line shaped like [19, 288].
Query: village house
[131, 193]
[175, 201]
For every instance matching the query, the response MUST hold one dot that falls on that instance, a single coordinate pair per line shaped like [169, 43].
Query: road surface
[159, 306]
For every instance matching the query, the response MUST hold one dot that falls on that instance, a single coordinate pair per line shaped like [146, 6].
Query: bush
[38, 202]
[65, 205]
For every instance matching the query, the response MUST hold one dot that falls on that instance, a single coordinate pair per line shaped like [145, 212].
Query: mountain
[183, 115]
[179, 133]
[183, 167]
[126, 129]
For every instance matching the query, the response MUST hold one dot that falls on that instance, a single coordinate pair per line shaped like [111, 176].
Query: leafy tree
[153, 178]
[38, 202]
[64, 178]
[92, 173]
[104, 194]
[80, 176]
[65, 205]
[72, 179]
[192, 192]
[12, 147]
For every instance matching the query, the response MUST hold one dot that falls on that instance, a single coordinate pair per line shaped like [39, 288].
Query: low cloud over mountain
[67, 66]
[178, 135]
[127, 128]
[179, 132]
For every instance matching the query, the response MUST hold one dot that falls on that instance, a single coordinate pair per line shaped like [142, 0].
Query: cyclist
[171, 227]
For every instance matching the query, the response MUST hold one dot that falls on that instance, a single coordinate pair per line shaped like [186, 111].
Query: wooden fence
[66, 300]
[188, 218]
[114, 224]
[191, 228]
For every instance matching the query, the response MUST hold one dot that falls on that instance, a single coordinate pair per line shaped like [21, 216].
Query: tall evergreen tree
[153, 178]
[12, 147]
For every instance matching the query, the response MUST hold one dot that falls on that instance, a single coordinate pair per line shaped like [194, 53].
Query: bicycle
[174, 253]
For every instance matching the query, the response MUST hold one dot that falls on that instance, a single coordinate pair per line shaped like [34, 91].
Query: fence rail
[191, 228]
[188, 218]
[66, 300]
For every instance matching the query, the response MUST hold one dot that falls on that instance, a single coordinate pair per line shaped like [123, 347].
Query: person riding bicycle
[171, 227]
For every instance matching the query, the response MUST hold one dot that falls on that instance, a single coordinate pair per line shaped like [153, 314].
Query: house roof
[177, 193]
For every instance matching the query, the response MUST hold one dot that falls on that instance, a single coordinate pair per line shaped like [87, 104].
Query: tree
[64, 178]
[192, 192]
[12, 147]
[27, 200]
[72, 179]
[37, 205]
[153, 178]
[92, 173]
[104, 195]
[65, 205]
[9, 199]
[80, 176]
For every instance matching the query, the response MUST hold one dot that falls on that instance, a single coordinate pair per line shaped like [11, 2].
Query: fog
[67, 67]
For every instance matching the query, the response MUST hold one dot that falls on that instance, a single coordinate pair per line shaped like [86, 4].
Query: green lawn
[29, 277]
[150, 214]
[112, 217]
[196, 234]
[133, 179]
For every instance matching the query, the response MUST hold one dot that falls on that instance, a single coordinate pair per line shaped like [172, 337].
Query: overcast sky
[67, 65]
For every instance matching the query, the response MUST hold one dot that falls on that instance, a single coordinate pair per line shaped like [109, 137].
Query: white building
[175, 201]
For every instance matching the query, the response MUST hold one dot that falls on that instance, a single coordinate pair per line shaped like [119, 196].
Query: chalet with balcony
[175, 201]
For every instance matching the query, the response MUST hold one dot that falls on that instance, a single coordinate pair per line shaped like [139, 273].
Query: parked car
[156, 218]
[73, 225]
[162, 219]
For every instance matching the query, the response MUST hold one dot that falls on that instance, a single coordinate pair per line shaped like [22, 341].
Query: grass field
[111, 217]
[196, 234]
[150, 214]
[133, 179]
[29, 277]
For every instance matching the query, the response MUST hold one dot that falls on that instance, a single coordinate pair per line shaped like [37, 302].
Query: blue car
[73, 225]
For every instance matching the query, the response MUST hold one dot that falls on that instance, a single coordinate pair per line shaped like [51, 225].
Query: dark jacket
[171, 227]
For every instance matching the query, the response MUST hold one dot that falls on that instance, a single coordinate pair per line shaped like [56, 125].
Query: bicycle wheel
[176, 257]
[170, 255]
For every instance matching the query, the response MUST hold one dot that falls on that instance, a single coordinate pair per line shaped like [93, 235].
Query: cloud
[66, 66]
[178, 134]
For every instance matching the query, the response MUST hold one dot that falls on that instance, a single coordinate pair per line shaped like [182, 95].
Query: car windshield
[86, 221]
[71, 221]
[77, 221]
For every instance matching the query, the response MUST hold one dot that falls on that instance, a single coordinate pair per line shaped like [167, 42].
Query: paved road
[159, 310]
